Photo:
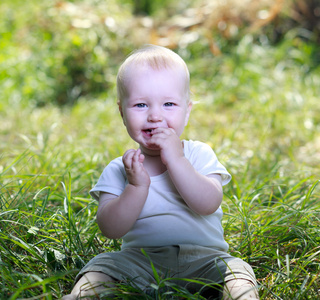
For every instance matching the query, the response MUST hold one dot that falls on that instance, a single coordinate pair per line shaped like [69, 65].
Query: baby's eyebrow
[140, 99]
[170, 98]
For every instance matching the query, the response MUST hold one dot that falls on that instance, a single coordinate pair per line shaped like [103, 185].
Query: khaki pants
[181, 261]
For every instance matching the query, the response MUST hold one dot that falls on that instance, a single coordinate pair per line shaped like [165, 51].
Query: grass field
[258, 108]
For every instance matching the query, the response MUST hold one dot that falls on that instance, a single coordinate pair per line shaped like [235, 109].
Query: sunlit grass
[257, 107]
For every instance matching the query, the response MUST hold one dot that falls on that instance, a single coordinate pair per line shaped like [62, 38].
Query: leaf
[155, 273]
[33, 230]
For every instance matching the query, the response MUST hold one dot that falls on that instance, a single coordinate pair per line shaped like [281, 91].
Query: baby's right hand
[133, 165]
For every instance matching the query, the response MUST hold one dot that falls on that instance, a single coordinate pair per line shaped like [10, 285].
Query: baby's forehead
[171, 70]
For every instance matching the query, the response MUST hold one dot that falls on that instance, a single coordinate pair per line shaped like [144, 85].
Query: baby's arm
[116, 215]
[203, 194]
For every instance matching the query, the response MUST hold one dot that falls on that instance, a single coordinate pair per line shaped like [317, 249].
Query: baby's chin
[151, 150]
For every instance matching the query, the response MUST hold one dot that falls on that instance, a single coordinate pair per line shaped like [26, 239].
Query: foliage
[62, 51]
[66, 54]
[257, 107]
[256, 104]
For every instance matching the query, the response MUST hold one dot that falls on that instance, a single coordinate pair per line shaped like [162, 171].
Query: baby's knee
[69, 297]
[91, 284]
[240, 289]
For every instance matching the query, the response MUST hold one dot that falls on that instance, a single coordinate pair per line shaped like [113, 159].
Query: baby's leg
[90, 284]
[240, 289]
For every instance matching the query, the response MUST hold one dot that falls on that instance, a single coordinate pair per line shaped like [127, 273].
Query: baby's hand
[133, 164]
[169, 144]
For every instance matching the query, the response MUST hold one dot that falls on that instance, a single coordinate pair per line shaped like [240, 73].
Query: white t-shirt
[165, 218]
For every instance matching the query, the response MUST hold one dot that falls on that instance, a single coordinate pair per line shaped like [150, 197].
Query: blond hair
[157, 58]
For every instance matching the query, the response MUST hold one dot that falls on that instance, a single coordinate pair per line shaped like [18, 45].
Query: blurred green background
[61, 51]
[255, 79]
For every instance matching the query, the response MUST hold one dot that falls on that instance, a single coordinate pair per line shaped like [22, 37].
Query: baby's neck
[154, 165]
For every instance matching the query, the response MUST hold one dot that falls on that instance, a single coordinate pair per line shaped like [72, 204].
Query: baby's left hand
[169, 144]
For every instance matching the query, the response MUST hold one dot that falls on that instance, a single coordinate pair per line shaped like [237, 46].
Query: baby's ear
[188, 113]
[120, 108]
[121, 112]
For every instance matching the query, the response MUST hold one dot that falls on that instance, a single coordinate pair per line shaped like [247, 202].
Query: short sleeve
[112, 180]
[204, 160]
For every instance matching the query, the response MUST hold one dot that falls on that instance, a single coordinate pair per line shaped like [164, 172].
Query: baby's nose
[155, 116]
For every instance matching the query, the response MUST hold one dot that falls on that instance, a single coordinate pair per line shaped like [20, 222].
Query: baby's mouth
[149, 131]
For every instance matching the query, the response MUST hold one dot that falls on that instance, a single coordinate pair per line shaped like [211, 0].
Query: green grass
[256, 106]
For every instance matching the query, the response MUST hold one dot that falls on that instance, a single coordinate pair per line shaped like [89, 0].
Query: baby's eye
[141, 105]
[169, 104]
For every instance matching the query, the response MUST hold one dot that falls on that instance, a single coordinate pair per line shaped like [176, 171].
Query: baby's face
[156, 98]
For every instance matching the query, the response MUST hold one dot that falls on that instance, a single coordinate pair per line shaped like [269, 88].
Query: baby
[165, 196]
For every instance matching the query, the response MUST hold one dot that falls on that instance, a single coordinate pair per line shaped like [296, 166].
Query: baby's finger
[166, 131]
[141, 158]
[136, 159]
[127, 158]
